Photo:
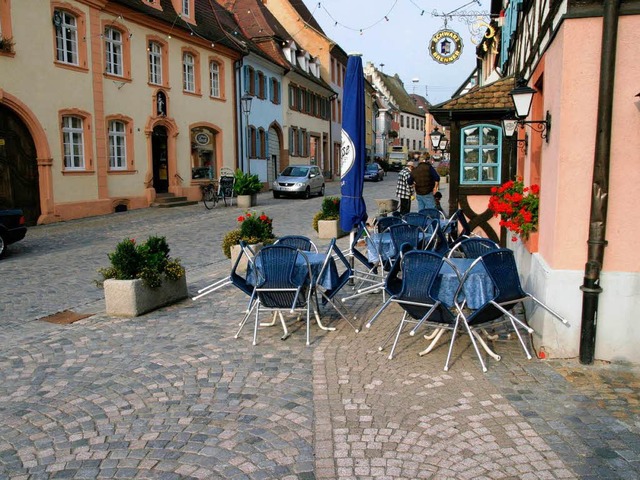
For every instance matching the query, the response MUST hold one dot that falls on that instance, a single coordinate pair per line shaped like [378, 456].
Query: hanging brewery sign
[445, 46]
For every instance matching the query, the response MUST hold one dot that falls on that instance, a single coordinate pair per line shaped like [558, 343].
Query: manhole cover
[65, 317]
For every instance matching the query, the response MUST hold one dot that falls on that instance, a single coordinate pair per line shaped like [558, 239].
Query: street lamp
[245, 103]
[436, 136]
[522, 97]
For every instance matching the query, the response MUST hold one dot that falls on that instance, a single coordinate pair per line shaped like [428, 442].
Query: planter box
[130, 298]
[235, 251]
[330, 229]
[247, 201]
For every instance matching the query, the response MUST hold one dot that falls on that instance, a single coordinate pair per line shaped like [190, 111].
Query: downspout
[239, 136]
[600, 184]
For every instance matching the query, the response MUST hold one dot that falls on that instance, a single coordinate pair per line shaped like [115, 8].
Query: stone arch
[43, 154]
[172, 157]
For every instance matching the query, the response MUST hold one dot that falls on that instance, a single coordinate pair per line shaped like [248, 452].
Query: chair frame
[467, 245]
[298, 241]
[303, 289]
[328, 295]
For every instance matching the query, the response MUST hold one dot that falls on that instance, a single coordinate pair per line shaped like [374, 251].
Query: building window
[252, 142]
[481, 154]
[113, 51]
[155, 63]
[262, 143]
[292, 97]
[249, 80]
[214, 79]
[261, 86]
[186, 8]
[293, 141]
[274, 91]
[117, 145]
[402, 120]
[66, 37]
[188, 73]
[73, 142]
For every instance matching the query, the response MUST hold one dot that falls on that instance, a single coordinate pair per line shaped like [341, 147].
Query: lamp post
[245, 103]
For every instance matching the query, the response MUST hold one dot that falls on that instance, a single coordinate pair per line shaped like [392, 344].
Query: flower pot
[247, 201]
[130, 298]
[330, 229]
[236, 250]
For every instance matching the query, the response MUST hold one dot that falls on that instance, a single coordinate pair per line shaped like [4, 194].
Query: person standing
[425, 180]
[404, 191]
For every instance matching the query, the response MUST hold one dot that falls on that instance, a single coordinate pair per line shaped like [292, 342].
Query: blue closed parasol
[353, 210]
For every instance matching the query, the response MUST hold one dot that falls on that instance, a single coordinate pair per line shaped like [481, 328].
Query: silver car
[299, 180]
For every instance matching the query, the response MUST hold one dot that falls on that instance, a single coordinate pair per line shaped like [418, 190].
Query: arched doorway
[19, 186]
[273, 162]
[159, 153]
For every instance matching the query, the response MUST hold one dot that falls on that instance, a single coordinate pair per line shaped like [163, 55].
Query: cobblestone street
[173, 395]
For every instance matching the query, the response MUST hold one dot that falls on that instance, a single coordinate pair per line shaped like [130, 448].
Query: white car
[299, 180]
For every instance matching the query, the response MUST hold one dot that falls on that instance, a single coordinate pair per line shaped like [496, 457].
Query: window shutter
[246, 78]
[266, 144]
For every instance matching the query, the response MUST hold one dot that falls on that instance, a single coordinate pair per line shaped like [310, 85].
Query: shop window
[481, 155]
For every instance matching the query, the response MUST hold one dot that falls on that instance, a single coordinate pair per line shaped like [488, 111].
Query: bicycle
[211, 196]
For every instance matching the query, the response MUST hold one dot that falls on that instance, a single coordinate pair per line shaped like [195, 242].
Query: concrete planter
[330, 229]
[247, 201]
[130, 298]
[235, 251]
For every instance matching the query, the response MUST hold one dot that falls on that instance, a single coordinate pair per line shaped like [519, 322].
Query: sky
[402, 42]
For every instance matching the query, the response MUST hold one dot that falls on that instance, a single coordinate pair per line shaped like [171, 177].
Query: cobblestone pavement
[172, 394]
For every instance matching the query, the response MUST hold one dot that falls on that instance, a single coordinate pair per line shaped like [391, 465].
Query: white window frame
[188, 72]
[214, 79]
[73, 142]
[480, 149]
[67, 38]
[155, 63]
[186, 8]
[113, 51]
[117, 145]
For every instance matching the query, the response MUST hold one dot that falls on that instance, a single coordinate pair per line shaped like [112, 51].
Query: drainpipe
[600, 184]
[238, 68]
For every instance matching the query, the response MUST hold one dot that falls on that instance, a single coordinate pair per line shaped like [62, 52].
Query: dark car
[373, 172]
[12, 228]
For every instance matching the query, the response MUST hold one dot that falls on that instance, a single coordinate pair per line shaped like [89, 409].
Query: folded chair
[282, 284]
[328, 295]
[432, 213]
[382, 223]
[494, 311]
[472, 247]
[298, 241]
[416, 218]
[413, 293]
[502, 267]
[363, 271]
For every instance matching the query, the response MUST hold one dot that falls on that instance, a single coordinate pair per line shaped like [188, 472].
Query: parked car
[12, 228]
[299, 180]
[373, 172]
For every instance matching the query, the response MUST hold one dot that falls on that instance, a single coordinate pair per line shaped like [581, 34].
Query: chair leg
[384, 343]
[437, 333]
[244, 320]
[475, 345]
[308, 323]
[524, 347]
[486, 348]
[453, 338]
[255, 326]
[395, 342]
[377, 314]
[335, 307]
[284, 325]
[552, 312]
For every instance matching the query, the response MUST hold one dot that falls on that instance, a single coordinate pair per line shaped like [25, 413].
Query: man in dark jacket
[425, 180]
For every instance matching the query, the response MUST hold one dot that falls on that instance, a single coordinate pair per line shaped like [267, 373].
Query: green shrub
[443, 170]
[246, 184]
[148, 261]
[330, 211]
[232, 237]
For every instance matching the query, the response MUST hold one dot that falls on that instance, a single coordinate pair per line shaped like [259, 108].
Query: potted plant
[142, 277]
[246, 187]
[327, 221]
[254, 228]
[517, 207]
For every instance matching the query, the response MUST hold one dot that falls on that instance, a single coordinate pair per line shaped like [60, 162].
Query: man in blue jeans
[425, 180]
